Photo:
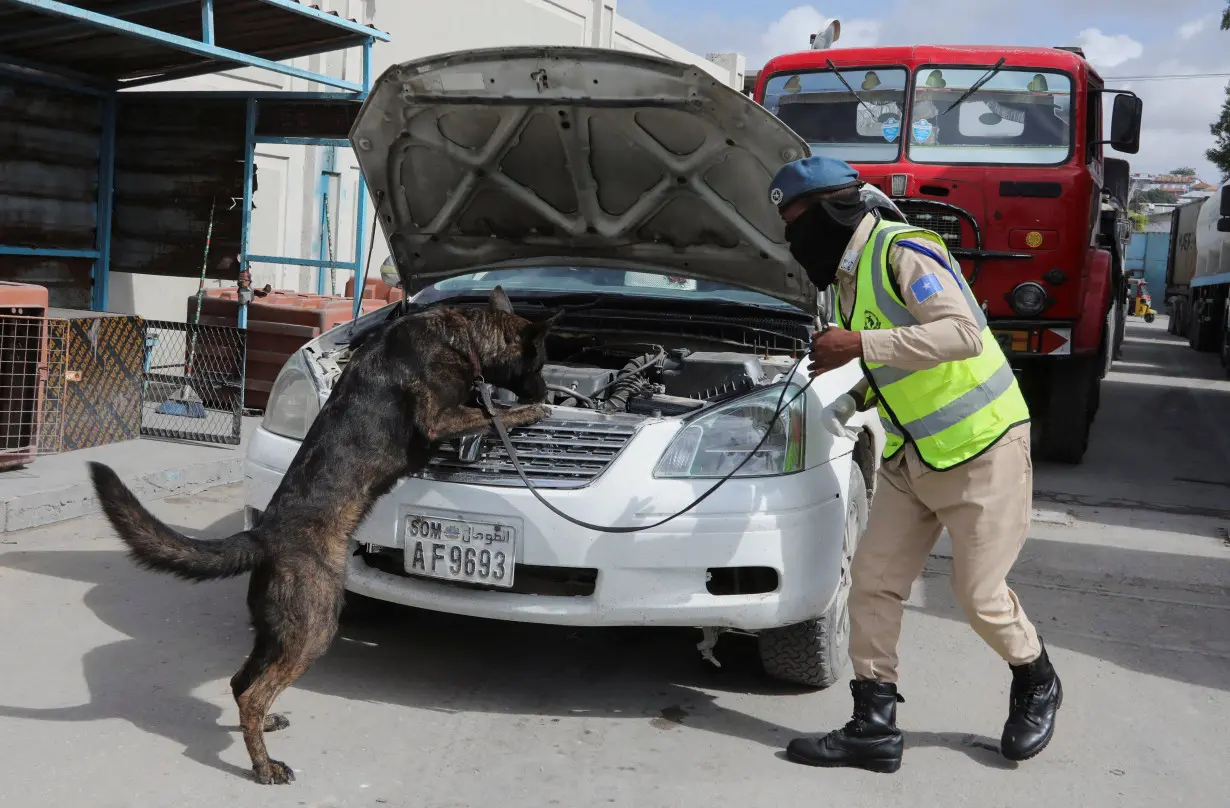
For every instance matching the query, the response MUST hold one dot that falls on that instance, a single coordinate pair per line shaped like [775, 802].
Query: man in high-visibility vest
[957, 454]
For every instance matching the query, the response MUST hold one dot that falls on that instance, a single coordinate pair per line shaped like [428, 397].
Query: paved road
[113, 681]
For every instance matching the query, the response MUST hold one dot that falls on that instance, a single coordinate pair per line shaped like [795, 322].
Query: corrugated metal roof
[249, 26]
[49, 144]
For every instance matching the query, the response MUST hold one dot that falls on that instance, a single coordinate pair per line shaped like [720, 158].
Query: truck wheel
[1120, 329]
[1073, 395]
[1225, 347]
[1203, 336]
[813, 653]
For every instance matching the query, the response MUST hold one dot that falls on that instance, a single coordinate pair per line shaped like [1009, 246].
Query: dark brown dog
[404, 390]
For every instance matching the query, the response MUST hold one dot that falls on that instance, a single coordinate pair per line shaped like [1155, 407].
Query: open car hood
[550, 155]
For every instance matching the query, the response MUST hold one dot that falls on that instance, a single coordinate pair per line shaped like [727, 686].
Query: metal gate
[192, 386]
[33, 378]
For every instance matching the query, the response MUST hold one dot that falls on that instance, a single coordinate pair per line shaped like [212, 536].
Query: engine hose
[628, 380]
[568, 393]
[484, 395]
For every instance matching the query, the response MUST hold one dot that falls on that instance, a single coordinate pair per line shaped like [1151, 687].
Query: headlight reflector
[715, 443]
[1029, 299]
[294, 401]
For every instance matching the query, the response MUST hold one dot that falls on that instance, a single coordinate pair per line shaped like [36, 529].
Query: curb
[78, 499]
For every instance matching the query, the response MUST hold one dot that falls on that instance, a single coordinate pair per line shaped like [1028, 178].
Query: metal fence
[33, 375]
[193, 382]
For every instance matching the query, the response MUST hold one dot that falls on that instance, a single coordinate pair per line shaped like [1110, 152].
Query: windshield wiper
[850, 89]
[976, 86]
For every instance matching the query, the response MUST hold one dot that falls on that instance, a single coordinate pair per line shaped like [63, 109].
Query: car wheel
[814, 653]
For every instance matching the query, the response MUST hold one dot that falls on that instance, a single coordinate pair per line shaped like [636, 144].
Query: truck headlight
[714, 443]
[1028, 299]
[294, 401]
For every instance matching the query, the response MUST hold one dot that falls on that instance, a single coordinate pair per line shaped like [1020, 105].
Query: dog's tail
[156, 546]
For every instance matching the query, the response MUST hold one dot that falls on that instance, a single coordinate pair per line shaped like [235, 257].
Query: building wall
[287, 212]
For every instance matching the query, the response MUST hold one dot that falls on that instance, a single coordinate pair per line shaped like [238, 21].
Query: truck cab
[1000, 151]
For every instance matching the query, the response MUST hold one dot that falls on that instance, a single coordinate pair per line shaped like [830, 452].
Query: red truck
[1000, 151]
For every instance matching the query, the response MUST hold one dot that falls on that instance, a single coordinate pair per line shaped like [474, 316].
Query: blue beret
[810, 175]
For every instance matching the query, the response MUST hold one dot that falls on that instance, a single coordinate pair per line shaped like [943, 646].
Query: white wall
[285, 221]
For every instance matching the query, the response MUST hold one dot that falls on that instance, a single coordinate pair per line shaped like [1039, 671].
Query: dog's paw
[535, 413]
[275, 773]
[275, 722]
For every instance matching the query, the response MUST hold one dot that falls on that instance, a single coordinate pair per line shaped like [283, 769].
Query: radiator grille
[560, 452]
[946, 223]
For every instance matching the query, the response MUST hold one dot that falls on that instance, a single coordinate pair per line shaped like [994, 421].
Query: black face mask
[818, 237]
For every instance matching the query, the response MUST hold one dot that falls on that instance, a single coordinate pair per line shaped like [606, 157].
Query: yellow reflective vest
[954, 411]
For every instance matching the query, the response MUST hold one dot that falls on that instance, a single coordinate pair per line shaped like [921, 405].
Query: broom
[188, 404]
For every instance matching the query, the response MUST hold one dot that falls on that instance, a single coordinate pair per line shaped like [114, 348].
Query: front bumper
[793, 525]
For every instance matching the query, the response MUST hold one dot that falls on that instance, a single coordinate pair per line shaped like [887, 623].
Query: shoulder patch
[927, 286]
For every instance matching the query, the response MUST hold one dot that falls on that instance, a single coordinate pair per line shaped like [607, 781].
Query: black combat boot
[869, 741]
[1035, 697]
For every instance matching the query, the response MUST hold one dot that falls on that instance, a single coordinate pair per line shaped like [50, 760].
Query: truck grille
[560, 452]
[947, 223]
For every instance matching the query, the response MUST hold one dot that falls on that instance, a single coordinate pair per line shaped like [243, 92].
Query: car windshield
[824, 112]
[544, 281]
[1019, 117]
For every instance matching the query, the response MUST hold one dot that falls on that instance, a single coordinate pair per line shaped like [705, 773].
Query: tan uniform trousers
[986, 505]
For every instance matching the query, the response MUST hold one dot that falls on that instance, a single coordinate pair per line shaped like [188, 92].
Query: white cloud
[1104, 50]
[1189, 29]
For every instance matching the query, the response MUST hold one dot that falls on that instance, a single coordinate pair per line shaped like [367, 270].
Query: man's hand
[833, 348]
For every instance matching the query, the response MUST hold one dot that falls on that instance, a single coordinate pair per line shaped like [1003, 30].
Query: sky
[1120, 37]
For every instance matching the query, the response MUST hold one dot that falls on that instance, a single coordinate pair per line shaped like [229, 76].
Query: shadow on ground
[181, 636]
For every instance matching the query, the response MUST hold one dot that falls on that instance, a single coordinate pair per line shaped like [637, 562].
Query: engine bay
[651, 379]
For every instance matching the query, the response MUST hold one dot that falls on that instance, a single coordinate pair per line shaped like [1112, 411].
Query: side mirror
[1223, 224]
[1125, 124]
[1225, 200]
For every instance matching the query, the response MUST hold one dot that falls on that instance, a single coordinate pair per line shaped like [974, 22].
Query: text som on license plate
[455, 550]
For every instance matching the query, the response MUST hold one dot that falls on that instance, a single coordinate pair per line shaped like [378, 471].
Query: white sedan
[635, 190]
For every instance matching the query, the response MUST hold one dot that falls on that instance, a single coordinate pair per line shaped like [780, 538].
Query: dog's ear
[537, 332]
[499, 302]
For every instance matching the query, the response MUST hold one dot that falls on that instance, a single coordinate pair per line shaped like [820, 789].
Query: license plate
[462, 550]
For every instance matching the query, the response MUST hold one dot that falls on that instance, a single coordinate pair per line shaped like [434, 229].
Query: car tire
[814, 653]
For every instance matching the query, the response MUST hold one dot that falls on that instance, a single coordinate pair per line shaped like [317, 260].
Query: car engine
[658, 382]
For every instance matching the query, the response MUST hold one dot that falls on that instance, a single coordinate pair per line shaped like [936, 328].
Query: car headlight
[715, 443]
[1029, 299]
[294, 401]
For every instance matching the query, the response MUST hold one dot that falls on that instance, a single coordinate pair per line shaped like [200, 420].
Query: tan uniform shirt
[947, 331]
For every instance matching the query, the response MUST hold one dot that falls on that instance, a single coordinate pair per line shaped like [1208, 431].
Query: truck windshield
[822, 110]
[1019, 117]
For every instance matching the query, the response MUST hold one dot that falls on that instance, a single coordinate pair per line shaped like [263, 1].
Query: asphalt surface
[114, 691]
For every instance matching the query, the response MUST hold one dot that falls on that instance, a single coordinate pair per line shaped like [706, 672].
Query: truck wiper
[850, 89]
[976, 86]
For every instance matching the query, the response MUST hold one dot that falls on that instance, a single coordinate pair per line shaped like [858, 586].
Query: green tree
[1185, 171]
[1219, 155]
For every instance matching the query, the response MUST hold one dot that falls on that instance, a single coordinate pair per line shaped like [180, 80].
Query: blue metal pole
[106, 202]
[361, 189]
[207, 21]
[249, 157]
[321, 190]
[367, 64]
[46, 252]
